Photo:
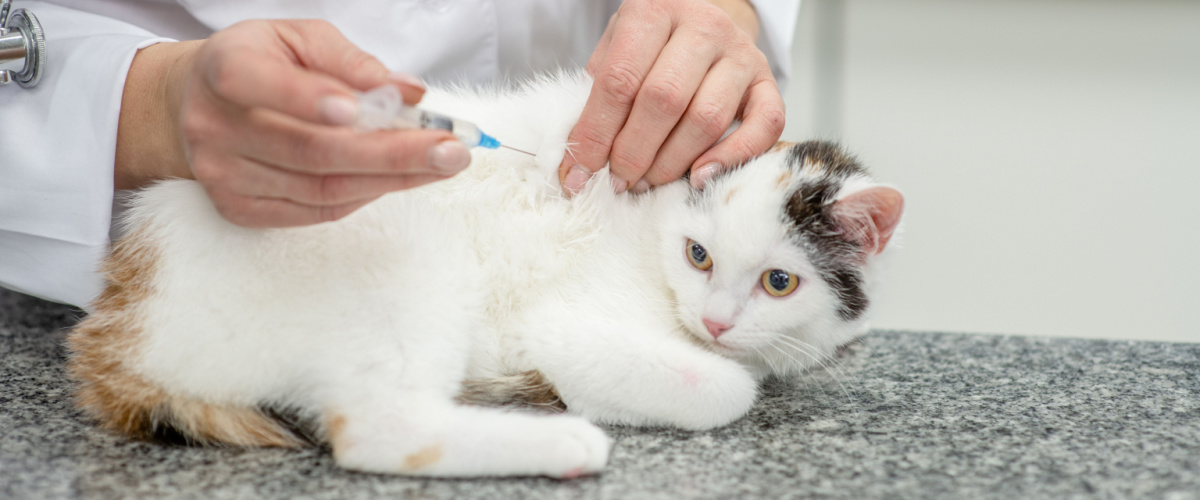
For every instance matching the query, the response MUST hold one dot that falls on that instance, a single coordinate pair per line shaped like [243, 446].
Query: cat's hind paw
[575, 448]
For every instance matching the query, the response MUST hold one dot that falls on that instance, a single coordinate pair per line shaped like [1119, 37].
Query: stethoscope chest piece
[22, 47]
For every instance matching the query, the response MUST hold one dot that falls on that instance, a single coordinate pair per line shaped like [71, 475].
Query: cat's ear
[869, 217]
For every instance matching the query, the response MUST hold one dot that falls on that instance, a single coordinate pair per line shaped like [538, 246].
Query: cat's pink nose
[714, 328]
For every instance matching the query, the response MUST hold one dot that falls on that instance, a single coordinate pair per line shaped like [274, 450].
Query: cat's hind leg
[391, 410]
[437, 438]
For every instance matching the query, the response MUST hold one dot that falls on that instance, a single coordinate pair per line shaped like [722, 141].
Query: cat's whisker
[812, 352]
[816, 354]
[806, 373]
[826, 362]
[765, 357]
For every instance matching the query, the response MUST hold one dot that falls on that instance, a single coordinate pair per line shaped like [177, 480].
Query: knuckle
[233, 209]
[590, 138]
[311, 150]
[629, 162]
[713, 23]
[710, 119]
[332, 213]
[401, 157]
[356, 60]
[665, 97]
[301, 29]
[774, 118]
[330, 189]
[209, 172]
[224, 75]
[195, 127]
[620, 80]
[744, 150]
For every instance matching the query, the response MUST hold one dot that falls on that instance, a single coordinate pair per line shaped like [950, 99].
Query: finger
[251, 79]
[762, 124]
[601, 51]
[708, 116]
[661, 102]
[271, 212]
[636, 42]
[321, 47]
[277, 140]
[268, 64]
[257, 180]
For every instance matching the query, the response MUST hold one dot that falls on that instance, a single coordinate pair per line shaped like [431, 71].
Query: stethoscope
[22, 46]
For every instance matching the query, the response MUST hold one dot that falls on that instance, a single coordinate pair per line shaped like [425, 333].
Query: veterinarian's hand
[258, 113]
[670, 77]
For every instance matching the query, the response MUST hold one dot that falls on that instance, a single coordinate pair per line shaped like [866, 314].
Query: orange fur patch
[103, 345]
[781, 145]
[814, 165]
[424, 457]
[729, 195]
[334, 432]
[784, 179]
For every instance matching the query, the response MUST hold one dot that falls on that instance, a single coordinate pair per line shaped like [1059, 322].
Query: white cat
[664, 308]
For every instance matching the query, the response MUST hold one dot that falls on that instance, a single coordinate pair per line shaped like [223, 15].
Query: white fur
[380, 316]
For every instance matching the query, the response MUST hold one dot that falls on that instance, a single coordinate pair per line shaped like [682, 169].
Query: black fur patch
[838, 164]
[808, 212]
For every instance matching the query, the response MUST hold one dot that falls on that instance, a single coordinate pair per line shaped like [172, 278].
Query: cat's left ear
[869, 217]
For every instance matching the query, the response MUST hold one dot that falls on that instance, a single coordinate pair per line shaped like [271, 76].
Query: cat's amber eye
[698, 256]
[779, 283]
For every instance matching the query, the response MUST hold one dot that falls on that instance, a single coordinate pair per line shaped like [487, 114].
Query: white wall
[1049, 151]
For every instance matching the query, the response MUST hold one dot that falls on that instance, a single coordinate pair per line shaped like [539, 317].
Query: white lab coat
[58, 142]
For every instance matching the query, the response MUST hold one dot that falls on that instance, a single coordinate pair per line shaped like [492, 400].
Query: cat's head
[772, 263]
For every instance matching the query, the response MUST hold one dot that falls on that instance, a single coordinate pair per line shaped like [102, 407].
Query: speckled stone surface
[904, 415]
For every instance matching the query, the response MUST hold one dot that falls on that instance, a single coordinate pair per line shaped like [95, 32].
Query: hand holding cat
[670, 77]
[260, 110]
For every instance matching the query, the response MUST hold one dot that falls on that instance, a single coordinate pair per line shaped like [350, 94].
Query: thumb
[320, 46]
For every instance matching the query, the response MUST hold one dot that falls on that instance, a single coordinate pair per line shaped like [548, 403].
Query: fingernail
[338, 110]
[641, 187]
[619, 184]
[701, 176]
[407, 79]
[449, 156]
[576, 178]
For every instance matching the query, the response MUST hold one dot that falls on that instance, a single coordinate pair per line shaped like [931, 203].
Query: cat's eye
[779, 283]
[698, 256]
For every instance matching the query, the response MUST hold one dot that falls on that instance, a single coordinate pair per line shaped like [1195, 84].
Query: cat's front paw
[708, 396]
[697, 391]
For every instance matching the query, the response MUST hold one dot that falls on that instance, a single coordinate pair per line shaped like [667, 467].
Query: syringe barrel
[384, 108]
[466, 132]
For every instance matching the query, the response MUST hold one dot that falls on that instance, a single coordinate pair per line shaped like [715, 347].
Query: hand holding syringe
[384, 108]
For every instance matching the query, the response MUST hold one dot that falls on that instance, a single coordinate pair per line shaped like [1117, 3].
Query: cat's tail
[124, 401]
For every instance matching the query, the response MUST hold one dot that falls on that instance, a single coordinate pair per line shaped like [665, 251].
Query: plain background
[1049, 151]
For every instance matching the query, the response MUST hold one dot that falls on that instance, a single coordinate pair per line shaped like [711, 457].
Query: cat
[664, 308]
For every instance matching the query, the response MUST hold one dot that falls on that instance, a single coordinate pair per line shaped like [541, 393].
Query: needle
[505, 146]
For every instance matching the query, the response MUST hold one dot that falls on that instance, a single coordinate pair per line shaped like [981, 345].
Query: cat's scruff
[664, 308]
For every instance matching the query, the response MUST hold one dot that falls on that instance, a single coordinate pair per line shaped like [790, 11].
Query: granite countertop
[904, 414]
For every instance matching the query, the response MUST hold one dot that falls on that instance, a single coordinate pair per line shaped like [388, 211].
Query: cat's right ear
[869, 217]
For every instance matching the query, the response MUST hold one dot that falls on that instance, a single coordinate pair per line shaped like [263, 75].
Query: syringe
[384, 108]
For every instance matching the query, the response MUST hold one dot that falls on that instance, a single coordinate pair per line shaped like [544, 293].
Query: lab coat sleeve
[57, 151]
[777, 29]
